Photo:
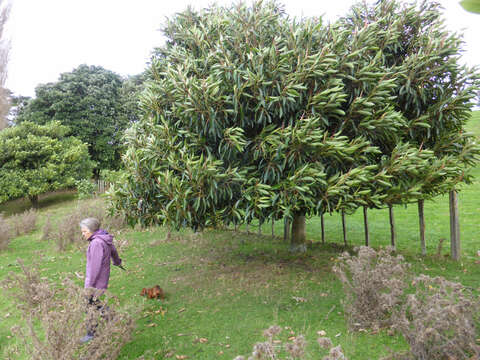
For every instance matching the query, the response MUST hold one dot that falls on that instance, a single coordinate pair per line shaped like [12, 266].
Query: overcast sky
[49, 37]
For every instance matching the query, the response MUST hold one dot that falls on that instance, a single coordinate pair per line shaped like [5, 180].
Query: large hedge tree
[88, 100]
[35, 159]
[254, 115]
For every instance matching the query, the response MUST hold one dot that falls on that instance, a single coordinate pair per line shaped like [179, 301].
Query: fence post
[393, 234]
[322, 222]
[286, 229]
[454, 226]
[421, 218]
[365, 223]
[344, 226]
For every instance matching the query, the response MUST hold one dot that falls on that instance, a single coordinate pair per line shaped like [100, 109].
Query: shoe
[86, 339]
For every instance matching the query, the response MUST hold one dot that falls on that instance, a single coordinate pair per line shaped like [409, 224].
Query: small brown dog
[155, 292]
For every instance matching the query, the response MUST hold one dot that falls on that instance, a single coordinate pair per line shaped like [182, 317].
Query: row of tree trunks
[297, 236]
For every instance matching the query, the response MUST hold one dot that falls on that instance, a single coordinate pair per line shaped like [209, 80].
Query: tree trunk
[421, 218]
[273, 227]
[344, 227]
[248, 230]
[298, 234]
[259, 228]
[393, 235]
[322, 222]
[454, 226]
[34, 200]
[365, 224]
[286, 229]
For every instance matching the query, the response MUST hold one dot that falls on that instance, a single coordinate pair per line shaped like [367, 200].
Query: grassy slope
[227, 287]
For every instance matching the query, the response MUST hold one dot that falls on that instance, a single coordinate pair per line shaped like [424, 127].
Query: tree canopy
[90, 101]
[252, 114]
[35, 159]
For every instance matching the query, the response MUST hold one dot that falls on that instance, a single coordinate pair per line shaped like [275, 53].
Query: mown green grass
[227, 287]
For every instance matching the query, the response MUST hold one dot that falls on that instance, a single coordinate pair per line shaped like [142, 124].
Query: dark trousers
[95, 309]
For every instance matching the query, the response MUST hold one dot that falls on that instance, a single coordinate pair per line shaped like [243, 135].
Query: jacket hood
[102, 235]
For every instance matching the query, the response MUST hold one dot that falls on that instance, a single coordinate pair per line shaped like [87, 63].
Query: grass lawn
[227, 287]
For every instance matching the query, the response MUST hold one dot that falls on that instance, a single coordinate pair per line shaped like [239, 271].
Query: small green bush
[85, 188]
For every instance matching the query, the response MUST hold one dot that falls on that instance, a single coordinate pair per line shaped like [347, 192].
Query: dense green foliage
[254, 115]
[471, 5]
[35, 159]
[92, 101]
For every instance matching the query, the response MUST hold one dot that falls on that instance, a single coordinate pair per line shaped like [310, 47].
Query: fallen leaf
[338, 334]
[203, 340]
[181, 357]
[299, 299]
[291, 338]
[321, 333]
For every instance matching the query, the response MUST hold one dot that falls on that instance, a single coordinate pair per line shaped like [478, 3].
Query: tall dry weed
[47, 230]
[25, 222]
[5, 233]
[374, 283]
[294, 348]
[440, 320]
[66, 231]
[56, 318]
[27, 288]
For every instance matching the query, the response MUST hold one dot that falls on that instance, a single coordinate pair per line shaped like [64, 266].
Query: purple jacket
[99, 252]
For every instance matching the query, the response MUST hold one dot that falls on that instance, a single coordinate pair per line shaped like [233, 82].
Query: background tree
[18, 104]
[35, 159]
[89, 101]
[132, 86]
[4, 51]
[471, 5]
